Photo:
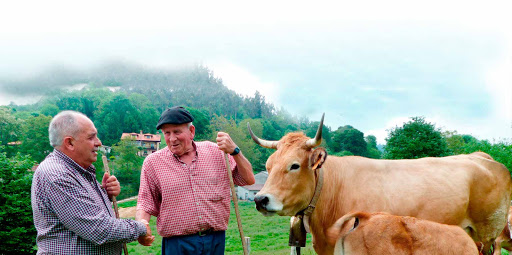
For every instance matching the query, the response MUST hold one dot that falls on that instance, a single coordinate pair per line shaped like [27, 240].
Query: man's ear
[68, 142]
[192, 129]
[317, 158]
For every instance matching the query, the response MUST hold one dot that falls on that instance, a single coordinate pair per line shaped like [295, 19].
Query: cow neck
[311, 207]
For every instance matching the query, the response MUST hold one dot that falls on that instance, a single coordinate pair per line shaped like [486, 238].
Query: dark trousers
[210, 244]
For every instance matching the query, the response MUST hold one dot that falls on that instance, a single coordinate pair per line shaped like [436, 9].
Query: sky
[368, 64]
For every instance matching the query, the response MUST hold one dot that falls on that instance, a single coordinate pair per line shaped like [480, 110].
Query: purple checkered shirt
[73, 214]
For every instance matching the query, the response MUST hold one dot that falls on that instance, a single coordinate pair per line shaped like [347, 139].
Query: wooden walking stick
[235, 202]
[114, 201]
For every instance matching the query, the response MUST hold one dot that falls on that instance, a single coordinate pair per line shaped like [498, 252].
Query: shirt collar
[91, 170]
[178, 158]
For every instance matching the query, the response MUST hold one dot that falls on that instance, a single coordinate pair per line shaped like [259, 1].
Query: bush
[17, 231]
[500, 151]
[415, 139]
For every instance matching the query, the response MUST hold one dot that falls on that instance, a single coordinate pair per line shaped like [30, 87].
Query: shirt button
[193, 189]
[200, 217]
[197, 203]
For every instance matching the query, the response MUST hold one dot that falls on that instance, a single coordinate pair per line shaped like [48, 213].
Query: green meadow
[269, 235]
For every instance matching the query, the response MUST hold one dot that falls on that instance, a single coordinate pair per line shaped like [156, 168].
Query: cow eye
[295, 166]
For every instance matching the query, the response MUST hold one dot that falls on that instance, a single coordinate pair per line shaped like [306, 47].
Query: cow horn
[318, 138]
[261, 142]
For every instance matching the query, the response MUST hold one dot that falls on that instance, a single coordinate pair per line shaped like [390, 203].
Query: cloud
[242, 81]
[364, 63]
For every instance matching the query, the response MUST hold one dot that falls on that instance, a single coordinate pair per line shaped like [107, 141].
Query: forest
[121, 98]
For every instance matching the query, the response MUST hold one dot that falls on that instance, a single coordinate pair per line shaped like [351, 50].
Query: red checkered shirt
[185, 198]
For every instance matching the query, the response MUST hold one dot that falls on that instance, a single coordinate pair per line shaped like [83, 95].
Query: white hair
[64, 124]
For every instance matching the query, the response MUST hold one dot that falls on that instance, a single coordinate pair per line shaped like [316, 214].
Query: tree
[371, 147]
[202, 123]
[500, 151]
[127, 166]
[70, 102]
[148, 114]
[354, 142]
[117, 116]
[415, 139]
[17, 231]
[49, 109]
[454, 142]
[348, 139]
[34, 139]
[246, 145]
[9, 130]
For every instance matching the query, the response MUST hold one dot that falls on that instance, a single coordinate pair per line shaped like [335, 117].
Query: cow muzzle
[267, 204]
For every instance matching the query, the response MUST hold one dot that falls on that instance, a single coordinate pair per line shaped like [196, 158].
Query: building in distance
[148, 143]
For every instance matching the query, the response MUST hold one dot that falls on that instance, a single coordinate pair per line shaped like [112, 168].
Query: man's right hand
[147, 239]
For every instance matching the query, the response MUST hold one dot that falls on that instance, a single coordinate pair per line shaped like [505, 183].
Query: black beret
[175, 115]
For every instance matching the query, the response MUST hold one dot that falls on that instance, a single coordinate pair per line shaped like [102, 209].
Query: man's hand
[111, 185]
[225, 143]
[147, 239]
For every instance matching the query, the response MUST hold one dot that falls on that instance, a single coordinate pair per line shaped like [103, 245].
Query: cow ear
[317, 158]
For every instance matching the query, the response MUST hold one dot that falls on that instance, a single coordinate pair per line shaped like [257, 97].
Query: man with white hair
[72, 211]
[186, 186]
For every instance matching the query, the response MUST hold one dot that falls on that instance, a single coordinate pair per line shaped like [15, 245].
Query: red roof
[142, 137]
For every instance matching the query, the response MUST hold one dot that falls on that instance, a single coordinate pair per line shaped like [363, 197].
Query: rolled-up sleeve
[149, 198]
[237, 178]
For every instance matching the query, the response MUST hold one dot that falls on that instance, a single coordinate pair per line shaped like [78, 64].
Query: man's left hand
[111, 185]
[225, 142]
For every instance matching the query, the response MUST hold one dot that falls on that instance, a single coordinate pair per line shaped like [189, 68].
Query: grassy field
[269, 235]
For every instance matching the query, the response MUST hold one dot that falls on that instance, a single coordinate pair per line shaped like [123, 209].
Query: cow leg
[497, 246]
[485, 241]
[295, 250]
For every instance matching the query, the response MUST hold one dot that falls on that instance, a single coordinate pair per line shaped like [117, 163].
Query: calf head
[292, 177]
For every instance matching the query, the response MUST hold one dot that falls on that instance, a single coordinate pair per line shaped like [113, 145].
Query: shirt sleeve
[237, 178]
[80, 213]
[149, 198]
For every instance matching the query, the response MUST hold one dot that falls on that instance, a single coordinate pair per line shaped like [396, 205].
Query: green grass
[127, 204]
[269, 235]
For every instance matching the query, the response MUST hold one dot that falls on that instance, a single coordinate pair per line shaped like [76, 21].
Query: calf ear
[317, 158]
[341, 228]
[344, 225]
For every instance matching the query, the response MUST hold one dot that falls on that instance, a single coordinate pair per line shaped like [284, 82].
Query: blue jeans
[211, 244]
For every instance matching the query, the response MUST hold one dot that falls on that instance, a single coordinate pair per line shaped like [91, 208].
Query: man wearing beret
[185, 186]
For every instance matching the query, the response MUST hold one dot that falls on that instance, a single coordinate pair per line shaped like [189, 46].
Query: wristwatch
[236, 151]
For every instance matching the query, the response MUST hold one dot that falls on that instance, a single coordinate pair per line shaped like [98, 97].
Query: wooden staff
[235, 202]
[114, 201]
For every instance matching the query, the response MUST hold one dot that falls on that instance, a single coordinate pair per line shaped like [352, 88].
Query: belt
[205, 232]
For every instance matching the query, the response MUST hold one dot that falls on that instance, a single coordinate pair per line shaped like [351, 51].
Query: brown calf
[363, 233]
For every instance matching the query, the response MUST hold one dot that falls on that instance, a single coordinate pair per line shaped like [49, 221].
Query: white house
[248, 192]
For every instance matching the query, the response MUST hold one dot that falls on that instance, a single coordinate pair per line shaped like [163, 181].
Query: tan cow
[471, 191]
[505, 239]
[362, 233]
